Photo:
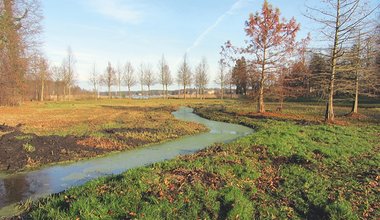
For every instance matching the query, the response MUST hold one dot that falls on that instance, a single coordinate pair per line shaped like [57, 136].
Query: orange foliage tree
[271, 39]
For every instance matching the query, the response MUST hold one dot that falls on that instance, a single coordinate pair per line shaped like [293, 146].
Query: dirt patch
[176, 180]
[179, 177]
[6, 128]
[356, 116]
[20, 150]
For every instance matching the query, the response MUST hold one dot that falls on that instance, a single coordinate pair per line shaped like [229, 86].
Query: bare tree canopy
[94, 81]
[109, 78]
[339, 19]
[165, 76]
[201, 77]
[149, 79]
[129, 77]
[221, 78]
[184, 76]
[68, 68]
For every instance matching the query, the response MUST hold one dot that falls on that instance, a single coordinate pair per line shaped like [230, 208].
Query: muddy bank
[20, 151]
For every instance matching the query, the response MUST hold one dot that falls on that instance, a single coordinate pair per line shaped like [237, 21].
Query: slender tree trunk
[148, 91]
[329, 117]
[42, 91]
[64, 92]
[36, 92]
[356, 101]
[129, 92]
[222, 91]
[261, 106]
[57, 92]
[231, 91]
[166, 91]
[109, 92]
[163, 91]
[69, 93]
[184, 91]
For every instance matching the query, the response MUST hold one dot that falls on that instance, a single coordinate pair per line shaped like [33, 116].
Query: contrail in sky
[234, 7]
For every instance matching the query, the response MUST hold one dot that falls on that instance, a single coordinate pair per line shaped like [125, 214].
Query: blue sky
[99, 31]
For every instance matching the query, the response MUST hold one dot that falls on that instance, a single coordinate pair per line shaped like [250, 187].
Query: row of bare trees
[146, 77]
[274, 61]
[46, 80]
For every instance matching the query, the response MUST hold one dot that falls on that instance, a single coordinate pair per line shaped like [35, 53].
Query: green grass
[28, 148]
[23, 137]
[284, 170]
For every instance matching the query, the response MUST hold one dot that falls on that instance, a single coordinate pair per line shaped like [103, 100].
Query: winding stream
[42, 182]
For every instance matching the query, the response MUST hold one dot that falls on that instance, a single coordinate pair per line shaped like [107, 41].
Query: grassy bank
[287, 169]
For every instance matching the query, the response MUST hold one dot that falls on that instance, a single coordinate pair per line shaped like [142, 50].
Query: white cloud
[236, 6]
[118, 10]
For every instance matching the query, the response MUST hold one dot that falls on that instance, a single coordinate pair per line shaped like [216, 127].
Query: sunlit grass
[283, 170]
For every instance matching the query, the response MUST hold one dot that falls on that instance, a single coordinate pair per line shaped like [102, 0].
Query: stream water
[35, 184]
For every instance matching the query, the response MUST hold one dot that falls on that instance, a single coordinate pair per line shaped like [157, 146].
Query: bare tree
[129, 78]
[359, 70]
[119, 78]
[44, 75]
[56, 77]
[184, 75]
[95, 81]
[229, 81]
[221, 78]
[142, 77]
[201, 77]
[338, 19]
[149, 79]
[109, 79]
[165, 76]
[68, 68]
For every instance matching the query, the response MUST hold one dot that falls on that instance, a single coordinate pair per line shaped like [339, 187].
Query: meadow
[293, 167]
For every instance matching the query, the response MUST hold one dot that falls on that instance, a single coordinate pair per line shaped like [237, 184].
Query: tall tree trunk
[42, 91]
[184, 91]
[69, 93]
[57, 91]
[166, 91]
[163, 91]
[356, 101]
[222, 91]
[129, 92]
[64, 92]
[329, 117]
[109, 92]
[231, 91]
[148, 91]
[261, 106]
